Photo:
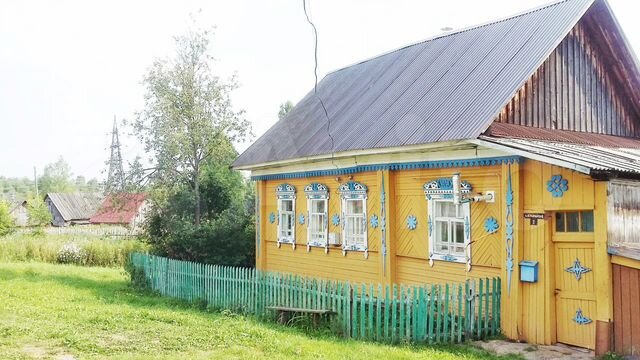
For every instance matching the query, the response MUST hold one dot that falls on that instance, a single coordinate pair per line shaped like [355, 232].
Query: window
[286, 214]
[317, 215]
[449, 226]
[354, 217]
[574, 221]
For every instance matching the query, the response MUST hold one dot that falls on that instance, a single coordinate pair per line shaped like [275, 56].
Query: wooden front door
[575, 287]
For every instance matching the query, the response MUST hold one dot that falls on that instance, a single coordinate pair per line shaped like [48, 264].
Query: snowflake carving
[374, 221]
[335, 220]
[557, 185]
[491, 225]
[301, 219]
[272, 217]
[412, 222]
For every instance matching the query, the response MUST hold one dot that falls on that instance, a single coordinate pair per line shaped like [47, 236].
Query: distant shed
[18, 211]
[72, 208]
[126, 209]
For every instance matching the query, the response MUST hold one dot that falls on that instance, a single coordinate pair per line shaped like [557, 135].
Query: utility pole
[115, 178]
[35, 180]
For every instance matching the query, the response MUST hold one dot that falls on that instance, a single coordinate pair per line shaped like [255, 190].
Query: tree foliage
[188, 115]
[37, 212]
[285, 107]
[6, 220]
[57, 178]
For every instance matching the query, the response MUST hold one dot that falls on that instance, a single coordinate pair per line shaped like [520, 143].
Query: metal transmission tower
[115, 180]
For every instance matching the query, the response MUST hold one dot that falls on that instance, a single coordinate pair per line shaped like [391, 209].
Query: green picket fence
[445, 313]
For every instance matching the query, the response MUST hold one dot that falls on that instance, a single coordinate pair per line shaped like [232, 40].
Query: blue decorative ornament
[301, 219]
[374, 221]
[557, 185]
[272, 217]
[580, 319]
[467, 227]
[509, 231]
[412, 222]
[491, 225]
[335, 219]
[430, 224]
[577, 269]
[448, 257]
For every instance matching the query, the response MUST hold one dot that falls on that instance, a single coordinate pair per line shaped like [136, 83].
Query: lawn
[71, 312]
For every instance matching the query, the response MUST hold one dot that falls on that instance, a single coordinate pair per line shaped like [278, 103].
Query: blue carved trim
[430, 225]
[467, 227]
[509, 232]
[557, 185]
[272, 217]
[439, 164]
[301, 219]
[383, 228]
[491, 225]
[577, 269]
[316, 191]
[285, 191]
[412, 222]
[374, 221]
[335, 219]
[449, 258]
[580, 319]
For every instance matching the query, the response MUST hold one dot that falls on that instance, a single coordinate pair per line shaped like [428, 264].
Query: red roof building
[121, 209]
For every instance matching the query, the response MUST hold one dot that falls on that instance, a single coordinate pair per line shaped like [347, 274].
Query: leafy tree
[285, 107]
[6, 220]
[188, 115]
[37, 212]
[56, 178]
[81, 183]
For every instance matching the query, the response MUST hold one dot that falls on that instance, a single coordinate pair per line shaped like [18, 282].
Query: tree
[285, 107]
[6, 221]
[56, 178]
[37, 212]
[81, 183]
[188, 114]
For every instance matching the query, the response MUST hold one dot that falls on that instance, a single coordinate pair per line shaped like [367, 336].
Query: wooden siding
[626, 313]
[333, 265]
[624, 218]
[574, 89]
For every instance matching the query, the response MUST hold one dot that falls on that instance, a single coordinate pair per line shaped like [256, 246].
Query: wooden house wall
[624, 218]
[412, 247]
[574, 90]
[352, 267]
[626, 292]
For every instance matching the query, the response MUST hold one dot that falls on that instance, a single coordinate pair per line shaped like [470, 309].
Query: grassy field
[72, 312]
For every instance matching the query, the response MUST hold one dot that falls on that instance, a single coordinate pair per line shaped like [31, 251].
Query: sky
[68, 67]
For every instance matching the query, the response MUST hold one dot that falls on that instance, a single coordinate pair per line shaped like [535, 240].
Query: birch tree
[188, 114]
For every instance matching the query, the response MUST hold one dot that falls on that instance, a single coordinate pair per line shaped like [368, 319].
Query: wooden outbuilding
[72, 208]
[507, 149]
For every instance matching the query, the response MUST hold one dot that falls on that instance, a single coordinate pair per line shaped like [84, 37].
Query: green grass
[96, 250]
[49, 311]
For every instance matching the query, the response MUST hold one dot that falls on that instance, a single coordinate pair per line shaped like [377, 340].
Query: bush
[6, 221]
[90, 250]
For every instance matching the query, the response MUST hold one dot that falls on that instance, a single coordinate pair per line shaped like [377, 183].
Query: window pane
[355, 207]
[587, 221]
[442, 231]
[445, 209]
[459, 229]
[573, 221]
[317, 206]
[560, 222]
[287, 205]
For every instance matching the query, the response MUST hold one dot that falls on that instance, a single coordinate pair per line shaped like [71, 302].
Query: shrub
[6, 221]
[71, 254]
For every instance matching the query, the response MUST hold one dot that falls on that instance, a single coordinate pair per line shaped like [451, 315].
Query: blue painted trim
[412, 222]
[383, 228]
[335, 219]
[577, 269]
[580, 319]
[439, 164]
[509, 232]
[491, 225]
[272, 217]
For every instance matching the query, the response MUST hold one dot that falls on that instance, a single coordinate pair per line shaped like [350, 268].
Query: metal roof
[76, 206]
[585, 158]
[446, 88]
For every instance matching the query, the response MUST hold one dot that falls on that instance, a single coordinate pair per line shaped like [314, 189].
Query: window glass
[560, 222]
[449, 235]
[286, 221]
[573, 221]
[587, 221]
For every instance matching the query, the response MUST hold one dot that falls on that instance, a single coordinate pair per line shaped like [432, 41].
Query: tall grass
[89, 250]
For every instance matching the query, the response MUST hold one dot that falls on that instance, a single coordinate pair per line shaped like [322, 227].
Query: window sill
[449, 258]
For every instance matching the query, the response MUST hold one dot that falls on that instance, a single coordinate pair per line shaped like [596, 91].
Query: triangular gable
[587, 84]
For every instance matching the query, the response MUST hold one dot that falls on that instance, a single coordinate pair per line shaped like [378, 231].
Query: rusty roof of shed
[446, 88]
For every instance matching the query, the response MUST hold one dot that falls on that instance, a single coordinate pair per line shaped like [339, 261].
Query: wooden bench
[285, 312]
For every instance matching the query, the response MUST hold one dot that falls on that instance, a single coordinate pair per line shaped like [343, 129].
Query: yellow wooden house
[507, 149]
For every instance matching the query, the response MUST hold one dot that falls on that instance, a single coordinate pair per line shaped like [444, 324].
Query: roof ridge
[456, 32]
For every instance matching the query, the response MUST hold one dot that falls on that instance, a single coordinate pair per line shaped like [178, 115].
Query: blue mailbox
[529, 271]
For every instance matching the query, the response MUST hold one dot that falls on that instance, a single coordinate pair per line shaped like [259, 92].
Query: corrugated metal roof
[76, 206]
[620, 159]
[502, 130]
[447, 88]
[118, 209]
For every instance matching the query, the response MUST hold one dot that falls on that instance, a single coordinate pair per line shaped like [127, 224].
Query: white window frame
[316, 192]
[441, 191]
[354, 191]
[286, 192]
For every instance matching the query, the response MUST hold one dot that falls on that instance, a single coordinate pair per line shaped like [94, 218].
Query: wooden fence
[446, 313]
